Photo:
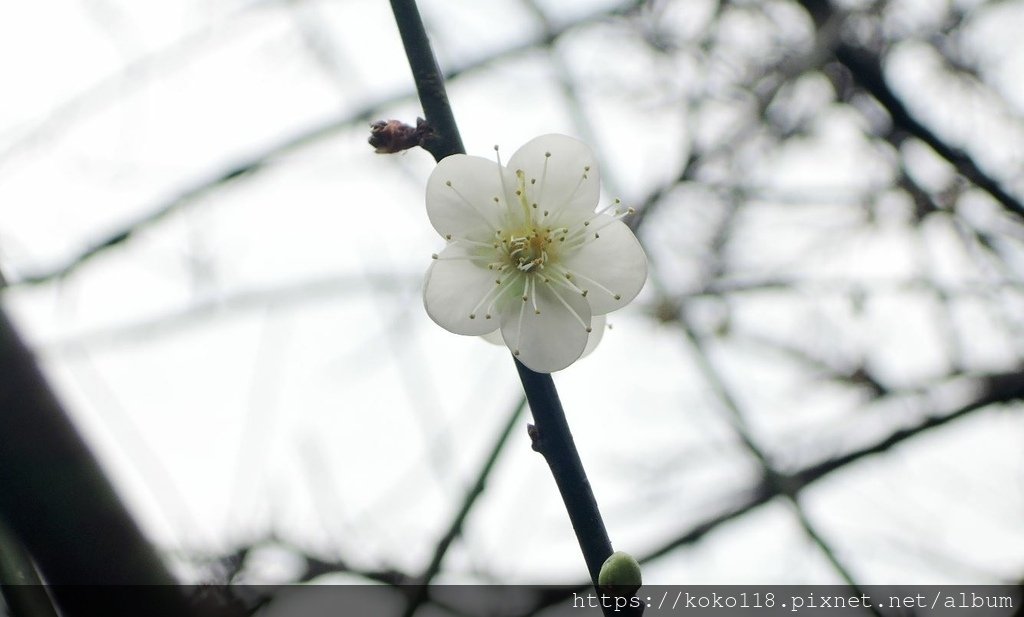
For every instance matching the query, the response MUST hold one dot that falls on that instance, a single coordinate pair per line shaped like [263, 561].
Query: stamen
[456, 257]
[579, 183]
[533, 294]
[579, 234]
[571, 310]
[543, 178]
[618, 214]
[521, 194]
[468, 203]
[598, 285]
[511, 284]
[498, 288]
[501, 173]
[487, 245]
[566, 280]
[519, 327]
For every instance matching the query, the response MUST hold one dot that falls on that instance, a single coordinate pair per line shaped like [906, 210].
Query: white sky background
[259, 361]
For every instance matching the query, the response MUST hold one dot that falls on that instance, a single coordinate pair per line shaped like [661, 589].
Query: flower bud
[620, 571]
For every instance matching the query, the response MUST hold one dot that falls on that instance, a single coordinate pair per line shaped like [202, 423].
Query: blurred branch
[57, 500]
[20, 585]
[763, 88]
[63, 116]
[774, 481]
[866, 69]
[468, 501]
[252, 164]
[993, 389]
[570, 92]
[282, 296]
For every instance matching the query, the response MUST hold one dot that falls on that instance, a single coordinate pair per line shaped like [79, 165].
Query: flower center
[529, 252]
[531, 249]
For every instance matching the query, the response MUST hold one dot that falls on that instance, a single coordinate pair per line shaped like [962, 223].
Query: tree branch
[249, 166]
[58, 502]
[555, 439]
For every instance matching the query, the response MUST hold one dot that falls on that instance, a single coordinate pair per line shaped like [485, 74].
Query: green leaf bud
[621, 571]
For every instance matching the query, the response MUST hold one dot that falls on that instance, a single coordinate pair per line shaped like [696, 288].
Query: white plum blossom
[527, 254]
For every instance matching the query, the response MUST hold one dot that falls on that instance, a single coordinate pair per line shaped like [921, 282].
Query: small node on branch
[391, 136]
[620, 578]
[534, 434]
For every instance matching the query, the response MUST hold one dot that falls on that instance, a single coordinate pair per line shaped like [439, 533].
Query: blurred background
[820, 383]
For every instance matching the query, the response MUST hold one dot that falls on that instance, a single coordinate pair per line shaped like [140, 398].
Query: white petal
[466, 207]
[615, 261]
[562, 185]
[598, 323]
[494, 338]
[454, 288]
[553, 339]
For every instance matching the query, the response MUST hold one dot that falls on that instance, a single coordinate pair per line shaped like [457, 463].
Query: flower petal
[566, 180]
[494, 338]
[597, 324]
[614, 261]
[454, 288]
[461, 192]
[554, 338]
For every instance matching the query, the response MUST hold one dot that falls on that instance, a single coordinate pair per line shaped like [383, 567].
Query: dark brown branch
[444, 138]
[57, 500]
[553, 440]
[20, 585]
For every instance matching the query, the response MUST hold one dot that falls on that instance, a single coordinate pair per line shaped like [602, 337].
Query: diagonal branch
[250, 165]
[61, 507]
[995, 389]
[866, 70]
[773, 480]
[468, 501]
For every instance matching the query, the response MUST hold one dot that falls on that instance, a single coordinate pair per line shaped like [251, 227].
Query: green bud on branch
[621, 572]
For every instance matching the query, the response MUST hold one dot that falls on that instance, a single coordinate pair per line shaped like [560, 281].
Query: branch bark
[59, 504]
